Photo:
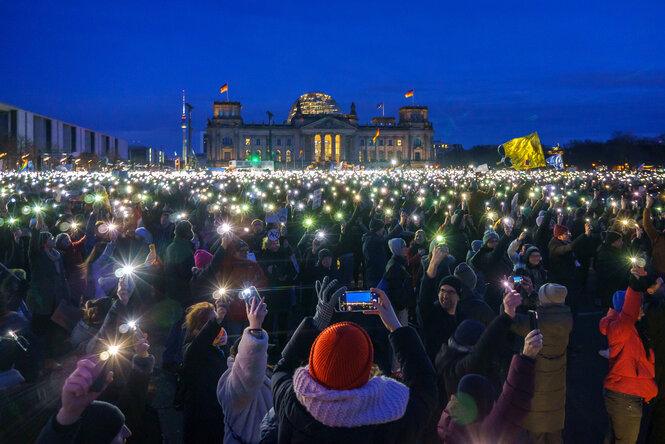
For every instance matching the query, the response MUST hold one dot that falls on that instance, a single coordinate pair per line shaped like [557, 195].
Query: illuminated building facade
[317, 131]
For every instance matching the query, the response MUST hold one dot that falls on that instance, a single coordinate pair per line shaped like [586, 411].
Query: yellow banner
[525, 152]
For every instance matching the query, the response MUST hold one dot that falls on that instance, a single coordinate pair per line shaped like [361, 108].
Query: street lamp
[393, 162]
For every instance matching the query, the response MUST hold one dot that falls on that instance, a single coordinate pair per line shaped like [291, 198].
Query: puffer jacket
[548, 408]
[631, 368]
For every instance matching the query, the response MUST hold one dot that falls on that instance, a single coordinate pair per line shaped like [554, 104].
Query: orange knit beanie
[341, 357]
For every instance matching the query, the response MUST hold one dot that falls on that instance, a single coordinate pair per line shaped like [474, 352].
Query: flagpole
[383, 109]
[227, 93]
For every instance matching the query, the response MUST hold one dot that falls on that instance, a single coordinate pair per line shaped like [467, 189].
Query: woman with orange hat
[333, 399]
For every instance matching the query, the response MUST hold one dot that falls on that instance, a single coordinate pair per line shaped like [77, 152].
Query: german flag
[409, 94]
[375, 136]
[225, 88]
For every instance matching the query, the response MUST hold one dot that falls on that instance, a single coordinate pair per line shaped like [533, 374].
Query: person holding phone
[243, 390]
[333, 398]
[630, 379]
[545, 421]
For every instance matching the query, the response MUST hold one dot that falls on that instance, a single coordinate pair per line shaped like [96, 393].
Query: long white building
[53, 136]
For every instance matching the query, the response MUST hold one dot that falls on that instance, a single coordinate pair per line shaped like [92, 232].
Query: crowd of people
[476, 282]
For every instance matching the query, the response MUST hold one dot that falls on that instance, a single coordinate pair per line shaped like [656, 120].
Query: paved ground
[23, 413]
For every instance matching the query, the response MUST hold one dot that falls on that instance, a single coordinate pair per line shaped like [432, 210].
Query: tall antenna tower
[183, 125]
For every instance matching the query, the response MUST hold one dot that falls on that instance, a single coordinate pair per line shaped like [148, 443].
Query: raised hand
[533, 344]
[327, 301]
[511, 301]
[256, 313]
[76, 394]
[385, 310]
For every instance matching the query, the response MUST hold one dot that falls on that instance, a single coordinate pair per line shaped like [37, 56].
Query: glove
[326, 305]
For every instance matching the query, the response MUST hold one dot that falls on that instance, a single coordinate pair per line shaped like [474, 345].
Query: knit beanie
[100, 422]
[560, 230]
[375, 224]
[395, 245]
[476, 395]
[611, 237]
[529, 251]
[202, 258]
[489, 235]
[552, 294]
[145, 234]
[468, 332]
[465, 274]
[475, 245]
[618, 300]
[341, 357]
[453, 281]
[324, 252]
[539, 220]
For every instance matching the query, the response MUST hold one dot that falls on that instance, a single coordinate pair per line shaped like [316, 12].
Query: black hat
[324, 252]
[100, 423]
[468, 332]
[611, 237]
[453, 282]
[376, 224]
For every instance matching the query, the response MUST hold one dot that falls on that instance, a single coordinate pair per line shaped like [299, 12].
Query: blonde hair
[197, 316]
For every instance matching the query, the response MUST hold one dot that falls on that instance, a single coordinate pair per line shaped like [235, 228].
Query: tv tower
[183, 125]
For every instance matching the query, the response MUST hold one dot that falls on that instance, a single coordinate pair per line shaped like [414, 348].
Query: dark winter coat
[398, 283]
[494, 263]
[296, 424]
[48, 284]
[375, 252]
[548, 407]
[562, 260]
[178, 264]
[657, 242]
[472, 306]
[612, 268]
[203, 365]
[452, 365]
[504, 422]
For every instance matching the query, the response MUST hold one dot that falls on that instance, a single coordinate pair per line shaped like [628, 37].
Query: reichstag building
[318, 132]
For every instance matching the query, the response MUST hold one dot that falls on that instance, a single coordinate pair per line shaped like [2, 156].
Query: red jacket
[631, 369]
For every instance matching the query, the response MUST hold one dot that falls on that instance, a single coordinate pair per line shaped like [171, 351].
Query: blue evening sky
[488, 70]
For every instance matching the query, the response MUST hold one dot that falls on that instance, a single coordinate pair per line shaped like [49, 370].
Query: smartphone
[152, 248]
[362, 300]
[100, 379]
[533, 320]
[518, 280]
[250, 293]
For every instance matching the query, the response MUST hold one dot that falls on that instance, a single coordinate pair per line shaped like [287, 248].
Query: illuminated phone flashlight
[98, 198]
[507, 284]
[224, 228]
[339, 216]
[112, 227]
[309, 222]
[320, 234]
[439, 238]
[37, 209]
[638, 262]
[219, 293]
[125, 271]
[112, 350]
[130, 325]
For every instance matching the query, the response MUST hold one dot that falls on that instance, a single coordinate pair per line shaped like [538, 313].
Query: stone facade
[317, 132]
